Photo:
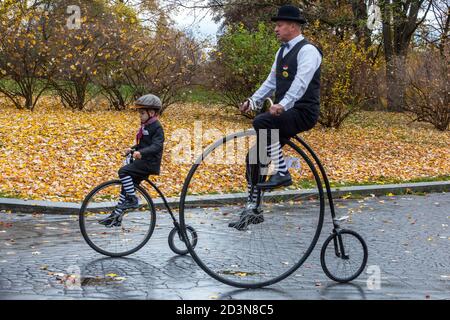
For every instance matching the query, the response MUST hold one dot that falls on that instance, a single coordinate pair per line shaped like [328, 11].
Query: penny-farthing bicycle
[267, 252]
[136, 225]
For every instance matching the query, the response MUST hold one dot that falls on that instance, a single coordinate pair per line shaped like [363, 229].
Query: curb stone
[70, 208]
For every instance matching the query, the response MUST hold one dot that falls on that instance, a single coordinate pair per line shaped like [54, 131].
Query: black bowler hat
[289, 13]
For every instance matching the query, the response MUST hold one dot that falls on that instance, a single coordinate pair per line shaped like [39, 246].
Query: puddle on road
[240, 273]
[97, 281]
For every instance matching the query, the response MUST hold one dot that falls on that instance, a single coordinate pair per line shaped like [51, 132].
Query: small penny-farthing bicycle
[136, 226]
[269, 251]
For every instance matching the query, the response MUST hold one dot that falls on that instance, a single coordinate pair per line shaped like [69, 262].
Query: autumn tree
[80, 48]
[24, 51]
[348, 75]
[242, 62]
[152, 57]
[427, 95]
[400, 20]
[164, 63]
[82, 51]
[434, 32]
[343, 16]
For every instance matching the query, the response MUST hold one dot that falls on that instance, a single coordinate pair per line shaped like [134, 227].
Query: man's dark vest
[285, 75]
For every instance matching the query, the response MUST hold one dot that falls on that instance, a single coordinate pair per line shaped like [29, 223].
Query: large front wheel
[276, 242]
[124, 238]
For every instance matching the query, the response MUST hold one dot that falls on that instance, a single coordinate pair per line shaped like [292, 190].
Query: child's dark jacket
[151, 146]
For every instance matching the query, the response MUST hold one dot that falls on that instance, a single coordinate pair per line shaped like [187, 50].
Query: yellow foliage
[58, 154]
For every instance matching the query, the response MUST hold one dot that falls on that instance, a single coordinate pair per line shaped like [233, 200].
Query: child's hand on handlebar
[137, 155]
[127, 151]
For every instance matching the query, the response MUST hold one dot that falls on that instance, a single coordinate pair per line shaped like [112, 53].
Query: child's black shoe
[113, 220]
[131, 202]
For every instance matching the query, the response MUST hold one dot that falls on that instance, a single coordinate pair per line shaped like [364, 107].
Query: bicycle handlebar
[270, 102]
[132, 150]
[255, 107]
[130, 154]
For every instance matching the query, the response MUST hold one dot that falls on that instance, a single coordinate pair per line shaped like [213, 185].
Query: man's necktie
[284, 46]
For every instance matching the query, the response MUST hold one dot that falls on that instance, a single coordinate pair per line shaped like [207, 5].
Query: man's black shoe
[131, 202]
[275, 181]
[113, 220]
[248, 216]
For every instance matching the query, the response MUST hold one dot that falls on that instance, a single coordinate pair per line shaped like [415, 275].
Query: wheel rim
[338, 267]
[267, 252]
[177, 243]
[137, 224]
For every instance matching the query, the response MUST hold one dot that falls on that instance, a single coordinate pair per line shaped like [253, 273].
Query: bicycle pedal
[115, 223]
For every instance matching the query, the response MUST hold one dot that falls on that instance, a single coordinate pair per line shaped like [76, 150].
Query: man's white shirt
[308, 61]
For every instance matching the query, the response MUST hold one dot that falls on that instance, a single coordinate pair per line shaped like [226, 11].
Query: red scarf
[140, 133]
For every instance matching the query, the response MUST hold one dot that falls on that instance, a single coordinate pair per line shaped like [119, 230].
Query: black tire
[148, 228]
[301, 258]
[176, 234]
[356, 249]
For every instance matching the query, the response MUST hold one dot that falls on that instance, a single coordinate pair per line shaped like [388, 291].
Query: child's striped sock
[128, 185]
[121, 200]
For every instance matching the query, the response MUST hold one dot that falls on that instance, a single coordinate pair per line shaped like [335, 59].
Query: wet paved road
[408, 239]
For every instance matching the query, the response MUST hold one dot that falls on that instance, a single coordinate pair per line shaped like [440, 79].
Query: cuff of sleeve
[284, 104]
[255, 100]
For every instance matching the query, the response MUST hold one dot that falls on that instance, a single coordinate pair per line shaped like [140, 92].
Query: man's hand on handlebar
[245, 107]
[276, 110]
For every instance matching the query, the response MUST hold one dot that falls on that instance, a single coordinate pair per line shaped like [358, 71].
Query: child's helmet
[148, 101]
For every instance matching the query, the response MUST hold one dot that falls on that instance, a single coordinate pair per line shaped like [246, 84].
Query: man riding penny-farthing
[270, 232]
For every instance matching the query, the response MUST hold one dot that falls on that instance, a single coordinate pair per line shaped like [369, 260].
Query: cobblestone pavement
[407, 236]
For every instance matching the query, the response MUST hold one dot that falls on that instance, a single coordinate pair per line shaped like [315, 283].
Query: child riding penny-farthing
[251, 247]
[118, 217]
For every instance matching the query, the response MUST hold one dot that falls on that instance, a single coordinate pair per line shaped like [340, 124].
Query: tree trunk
[399, 24]
[396, 82]
[80, 91]
[359, 9]
[29, 100]
[444, 34]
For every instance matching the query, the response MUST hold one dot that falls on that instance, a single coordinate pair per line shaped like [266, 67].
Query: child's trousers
[138, 170]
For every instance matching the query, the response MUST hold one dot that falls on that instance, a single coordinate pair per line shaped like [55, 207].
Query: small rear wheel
[343, 256]
[177, 243]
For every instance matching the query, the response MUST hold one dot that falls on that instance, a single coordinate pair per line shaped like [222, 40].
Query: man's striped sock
[275, 154]
[252, 196]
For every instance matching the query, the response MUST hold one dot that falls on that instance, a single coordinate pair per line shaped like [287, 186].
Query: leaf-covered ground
[59, 155]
